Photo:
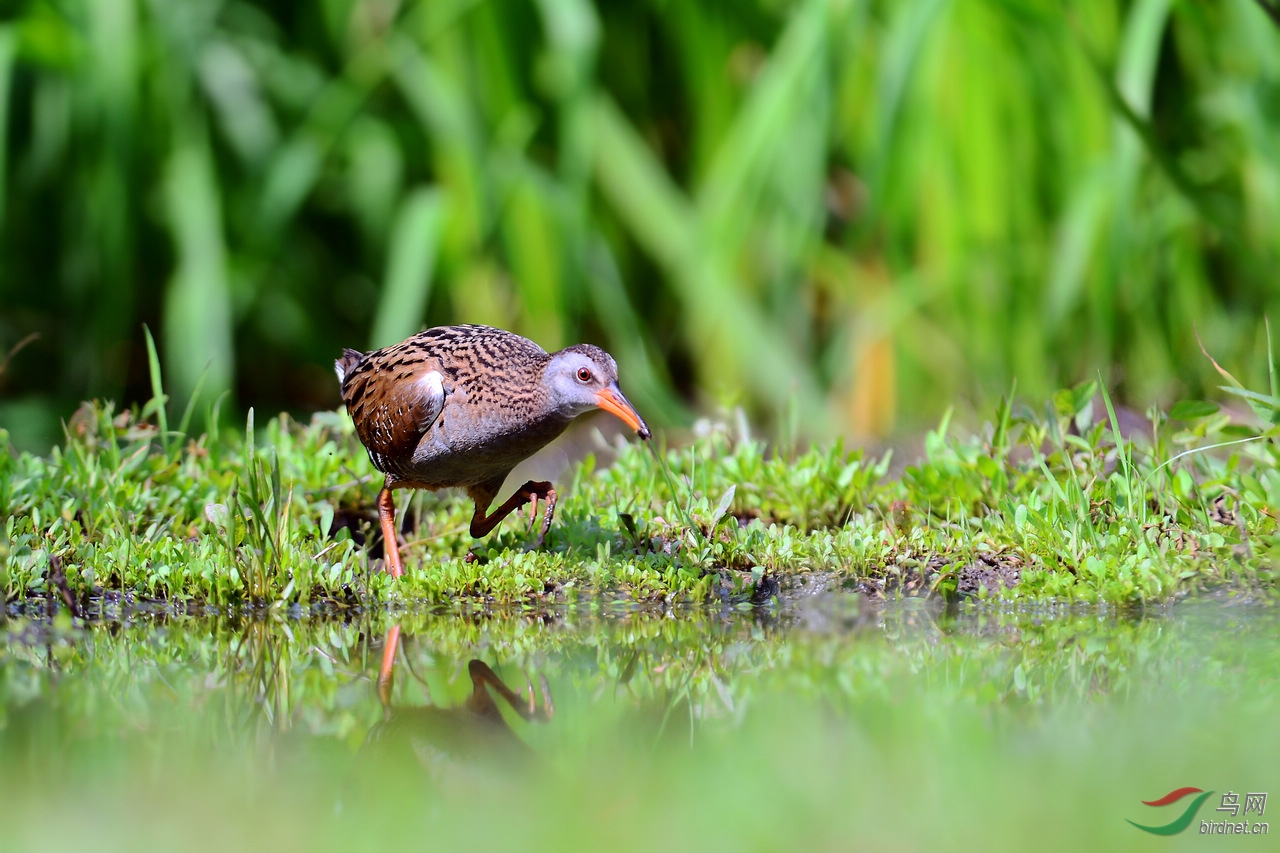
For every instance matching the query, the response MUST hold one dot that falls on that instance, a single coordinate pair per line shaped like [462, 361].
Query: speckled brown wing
[394, 395]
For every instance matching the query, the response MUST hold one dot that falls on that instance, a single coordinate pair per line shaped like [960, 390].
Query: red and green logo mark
[1183, 820]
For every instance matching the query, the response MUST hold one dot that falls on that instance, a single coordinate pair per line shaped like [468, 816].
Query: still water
[827, 723]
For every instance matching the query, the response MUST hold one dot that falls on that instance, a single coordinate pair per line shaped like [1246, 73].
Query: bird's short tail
[350, 358]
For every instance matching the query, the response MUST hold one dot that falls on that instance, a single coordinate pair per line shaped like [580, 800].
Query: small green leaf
[1082, 396]
[1064, 403]
[1190, 410]
[721, 508]
[326, 520]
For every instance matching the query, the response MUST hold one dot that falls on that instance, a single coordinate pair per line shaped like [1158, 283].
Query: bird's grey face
[585, 377]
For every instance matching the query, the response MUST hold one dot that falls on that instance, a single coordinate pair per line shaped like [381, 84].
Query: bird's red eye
[584, 375]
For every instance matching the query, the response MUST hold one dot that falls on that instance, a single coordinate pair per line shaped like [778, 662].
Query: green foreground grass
[1035, 506]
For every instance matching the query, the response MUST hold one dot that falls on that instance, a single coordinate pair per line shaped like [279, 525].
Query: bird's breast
[471, 444]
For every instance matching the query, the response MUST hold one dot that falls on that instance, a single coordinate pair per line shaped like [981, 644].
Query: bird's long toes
[548, 514]
[533, 511]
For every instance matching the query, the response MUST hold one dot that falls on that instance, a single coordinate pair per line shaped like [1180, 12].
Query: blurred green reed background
[845, 213]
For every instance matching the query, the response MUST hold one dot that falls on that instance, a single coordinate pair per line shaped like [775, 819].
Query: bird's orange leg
[481, 524]
[387, 515]
[386, 674]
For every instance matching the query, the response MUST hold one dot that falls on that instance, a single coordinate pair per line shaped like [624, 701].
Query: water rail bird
[461, 406]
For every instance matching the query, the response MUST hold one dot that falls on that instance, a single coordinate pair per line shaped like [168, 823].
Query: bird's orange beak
[611, 400]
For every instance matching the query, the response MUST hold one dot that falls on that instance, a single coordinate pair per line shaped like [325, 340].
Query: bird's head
[585, 377]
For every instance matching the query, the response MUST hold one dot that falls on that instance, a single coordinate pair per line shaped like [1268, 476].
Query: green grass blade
[725, 328]
[158, 398]
[248, 439]
[1272, 375]
[197, 311]
[1123, 451]
[1264, 406]
[900, 61]
[8, 51]
[185, 424]
[540, 249]
[412, 254]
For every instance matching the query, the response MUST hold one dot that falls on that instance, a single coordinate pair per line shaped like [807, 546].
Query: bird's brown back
[495, 406]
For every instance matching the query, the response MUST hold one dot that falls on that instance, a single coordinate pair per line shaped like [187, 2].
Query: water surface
[823, 723]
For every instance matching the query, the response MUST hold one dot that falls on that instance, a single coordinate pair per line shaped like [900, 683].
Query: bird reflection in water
[444, 739]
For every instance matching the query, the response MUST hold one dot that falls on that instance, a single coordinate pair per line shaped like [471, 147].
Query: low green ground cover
[1034, 506]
